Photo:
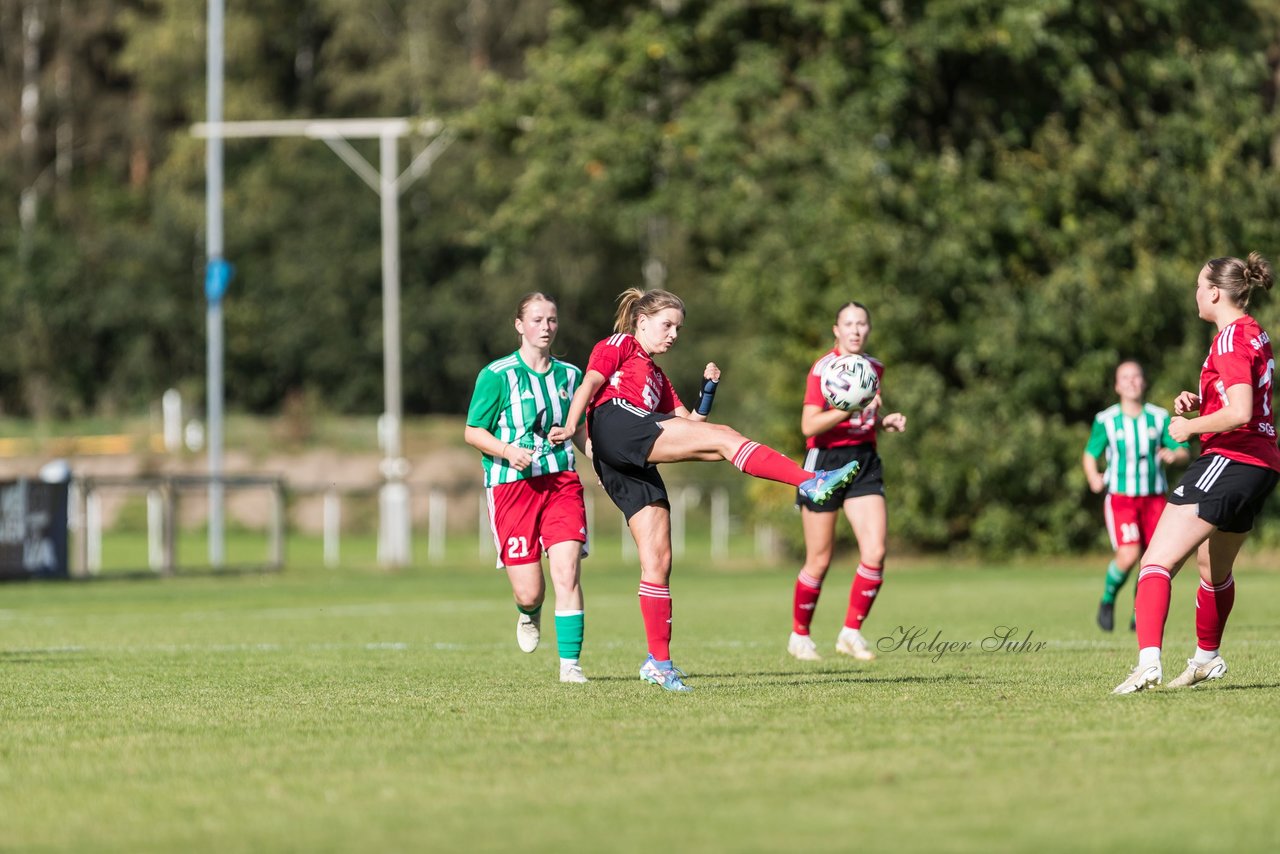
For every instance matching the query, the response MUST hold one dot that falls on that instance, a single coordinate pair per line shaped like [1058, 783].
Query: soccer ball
[849, 382]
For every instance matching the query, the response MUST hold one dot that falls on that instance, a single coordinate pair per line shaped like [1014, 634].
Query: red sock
[808, 589]
[1151, 603]
[655, 607]
[866, 583]
[1213, 606]
[762, 461]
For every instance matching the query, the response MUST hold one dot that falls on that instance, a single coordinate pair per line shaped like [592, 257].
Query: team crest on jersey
[564, 394]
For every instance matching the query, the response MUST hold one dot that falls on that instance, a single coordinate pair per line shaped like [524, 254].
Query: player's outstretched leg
[682, 440]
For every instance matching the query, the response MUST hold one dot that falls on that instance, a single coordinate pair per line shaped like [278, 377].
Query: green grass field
[357, 710]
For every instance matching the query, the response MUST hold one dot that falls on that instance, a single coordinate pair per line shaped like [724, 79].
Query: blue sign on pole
[217, 273]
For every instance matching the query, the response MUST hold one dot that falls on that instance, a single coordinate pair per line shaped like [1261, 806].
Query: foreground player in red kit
[1213, 507]
[835, 437]
[636, 421]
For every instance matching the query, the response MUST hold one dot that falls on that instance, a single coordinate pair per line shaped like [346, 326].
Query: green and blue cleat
[819, 487]
[664, 673]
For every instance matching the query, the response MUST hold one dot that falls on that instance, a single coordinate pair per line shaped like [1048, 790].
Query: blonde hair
[634, 302]
[535, 296]
[1240, 278]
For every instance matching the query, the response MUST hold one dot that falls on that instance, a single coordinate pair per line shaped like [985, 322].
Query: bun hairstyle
[536, 296]
[1241, 278]
[634, 302]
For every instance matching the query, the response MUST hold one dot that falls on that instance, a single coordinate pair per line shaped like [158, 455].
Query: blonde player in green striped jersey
[534, 494]
[1133, 437]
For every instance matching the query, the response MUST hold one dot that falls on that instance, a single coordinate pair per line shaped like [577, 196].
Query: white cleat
[528, 632]
[1216, 668]
[851, 642]
[1140, 679]
[572, 673]
[803, 648]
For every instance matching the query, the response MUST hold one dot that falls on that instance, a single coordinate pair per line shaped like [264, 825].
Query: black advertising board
[33, 529]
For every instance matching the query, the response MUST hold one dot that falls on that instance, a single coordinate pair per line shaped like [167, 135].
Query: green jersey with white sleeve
[519, 405]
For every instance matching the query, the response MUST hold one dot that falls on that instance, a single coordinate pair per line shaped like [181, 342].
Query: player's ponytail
[634, 302]
[1257, 274]
[625, 319]
[1240, 278]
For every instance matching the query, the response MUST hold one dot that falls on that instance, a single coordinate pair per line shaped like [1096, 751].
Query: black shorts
[1229, 494]
[868, 481]
[621, 438]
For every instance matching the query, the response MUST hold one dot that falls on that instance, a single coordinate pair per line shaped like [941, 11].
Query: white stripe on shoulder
[1227, 339]
[506, 363]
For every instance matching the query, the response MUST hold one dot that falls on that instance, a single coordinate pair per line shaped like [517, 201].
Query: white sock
[568, 662]
[855, 632]
[1148, 656]
[1204, 656]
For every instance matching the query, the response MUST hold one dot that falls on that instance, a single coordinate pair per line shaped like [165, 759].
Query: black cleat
[1106, 616]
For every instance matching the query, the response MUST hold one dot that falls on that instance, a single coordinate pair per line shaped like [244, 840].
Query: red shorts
[534, 514]
[1131, 519]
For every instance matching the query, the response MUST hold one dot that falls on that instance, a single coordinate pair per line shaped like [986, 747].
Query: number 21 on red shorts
[533, 514]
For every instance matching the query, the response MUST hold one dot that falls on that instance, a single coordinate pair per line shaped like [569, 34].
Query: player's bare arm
[1187, 401]
[710, 379]
[487, 443]
[1236, 413]
[815, 419]
[1089, 463]
[592, 382]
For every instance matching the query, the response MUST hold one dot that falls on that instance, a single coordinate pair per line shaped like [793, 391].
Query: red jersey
[860, 429]
[632, 376]
[1241, 353]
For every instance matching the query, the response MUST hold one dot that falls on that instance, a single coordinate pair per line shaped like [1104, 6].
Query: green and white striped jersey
[1130, 445]
[519, 405]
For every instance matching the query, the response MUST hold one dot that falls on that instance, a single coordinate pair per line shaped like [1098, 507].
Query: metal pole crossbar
[393, 531]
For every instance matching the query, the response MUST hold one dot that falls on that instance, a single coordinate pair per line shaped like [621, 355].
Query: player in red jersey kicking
[835, 437]
[636, 421]
[1213, 507]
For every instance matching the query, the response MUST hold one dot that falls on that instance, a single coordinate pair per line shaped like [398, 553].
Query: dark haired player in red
[636, 421]
[1213, 507]
[835, 437]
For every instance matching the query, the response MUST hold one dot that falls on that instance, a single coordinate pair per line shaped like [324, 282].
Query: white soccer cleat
[1140, 679]
[803, 648]
[1216, 668]
[572, 673]
[851, 643]
[528, 632]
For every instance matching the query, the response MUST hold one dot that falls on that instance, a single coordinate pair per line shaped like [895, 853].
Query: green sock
[569, 631]
[1115, 580]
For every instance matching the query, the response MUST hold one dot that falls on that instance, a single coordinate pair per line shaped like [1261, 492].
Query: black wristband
[707, 397]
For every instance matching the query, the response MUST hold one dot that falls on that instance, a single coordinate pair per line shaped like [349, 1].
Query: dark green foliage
[1022, 192]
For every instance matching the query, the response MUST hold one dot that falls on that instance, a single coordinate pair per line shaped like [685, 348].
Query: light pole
[393, 500]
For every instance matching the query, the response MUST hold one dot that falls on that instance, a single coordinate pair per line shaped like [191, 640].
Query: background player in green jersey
[1133, 437]
[534, 495]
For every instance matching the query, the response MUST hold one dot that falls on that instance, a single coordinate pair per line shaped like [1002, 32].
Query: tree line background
[1022, 191]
